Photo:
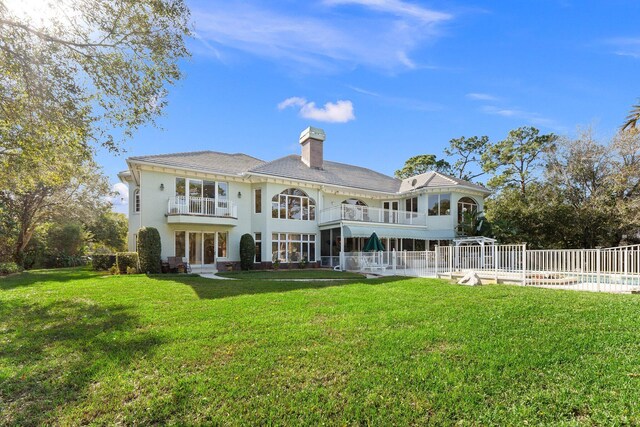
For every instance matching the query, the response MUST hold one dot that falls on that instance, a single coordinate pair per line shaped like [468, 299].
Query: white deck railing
[369, 214]
[606, 270]
[183, 205]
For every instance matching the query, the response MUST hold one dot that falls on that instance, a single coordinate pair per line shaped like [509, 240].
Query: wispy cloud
[399, 101]
[625, 46]
[325, 40]
[398, 8]
[476, 96]
[340, 111]
[528, 116]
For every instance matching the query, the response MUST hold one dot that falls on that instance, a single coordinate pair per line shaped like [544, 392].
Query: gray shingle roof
[332, 173]
[436, 180]
[209, 161]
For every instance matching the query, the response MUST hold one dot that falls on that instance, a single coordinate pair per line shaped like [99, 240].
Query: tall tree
[423, 163]
[66, 186]
[94, 67]
[514, 160]
[467, 152]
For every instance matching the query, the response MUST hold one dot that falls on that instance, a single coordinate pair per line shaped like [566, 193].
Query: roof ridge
[271, 162]
[186, 153]
[445, 176]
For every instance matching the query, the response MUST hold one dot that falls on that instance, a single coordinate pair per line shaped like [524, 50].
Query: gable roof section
[208, 161]
[437, 180]
[332, 173]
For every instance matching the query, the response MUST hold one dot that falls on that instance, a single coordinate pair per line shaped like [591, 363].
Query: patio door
[202, 248]
[391, 208]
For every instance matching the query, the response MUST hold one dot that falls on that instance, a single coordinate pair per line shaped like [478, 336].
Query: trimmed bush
[149, 250]
[247, 251]
[126, 260]
[102, 262]
[9, 268]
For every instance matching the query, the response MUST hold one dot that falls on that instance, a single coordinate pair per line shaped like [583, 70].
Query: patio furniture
[175, 262]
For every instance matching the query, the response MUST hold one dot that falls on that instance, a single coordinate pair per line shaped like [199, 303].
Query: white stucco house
[296, 207]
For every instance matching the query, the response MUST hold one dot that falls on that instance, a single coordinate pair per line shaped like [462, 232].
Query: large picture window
[439, 204]
[200, 247]
[293, 247]
[293, 203]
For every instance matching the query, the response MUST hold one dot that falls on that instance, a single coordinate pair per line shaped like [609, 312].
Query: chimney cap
[312, 133]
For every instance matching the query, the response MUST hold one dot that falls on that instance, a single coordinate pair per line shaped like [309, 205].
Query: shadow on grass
[216, 289]
[53, 354]
[30, 277]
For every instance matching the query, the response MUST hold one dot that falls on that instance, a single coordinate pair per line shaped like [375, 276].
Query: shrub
[132, 270]
[303, 263]
[247, 251]
[276, 264]
[102, 262]
[9, 268]
[125, 260]
[113, 270]
[149, 250]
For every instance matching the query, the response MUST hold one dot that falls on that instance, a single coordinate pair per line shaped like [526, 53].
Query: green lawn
[78, 348]
[291, 274]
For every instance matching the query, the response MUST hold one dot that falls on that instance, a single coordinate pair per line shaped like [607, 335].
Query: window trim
[136, 200]
[257, 207]
[311, 241]
[276, 203]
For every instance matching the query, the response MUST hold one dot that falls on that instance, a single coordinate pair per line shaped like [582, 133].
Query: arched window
[136, 200]
[466, 204]
[293, 203]
[355, 202]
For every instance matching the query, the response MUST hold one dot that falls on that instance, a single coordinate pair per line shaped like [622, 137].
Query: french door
[201, 248]
[391, 208]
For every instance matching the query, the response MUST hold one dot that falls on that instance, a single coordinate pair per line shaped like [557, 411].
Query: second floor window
[293, 203]
[257, 198]
[439, 204]
[136, 200]
[195, 188]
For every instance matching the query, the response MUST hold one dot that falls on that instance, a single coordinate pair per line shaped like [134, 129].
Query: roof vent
[312, 140]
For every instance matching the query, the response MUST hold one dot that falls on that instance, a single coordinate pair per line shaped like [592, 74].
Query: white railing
[184, 205]
[369, 214]
[606, 270]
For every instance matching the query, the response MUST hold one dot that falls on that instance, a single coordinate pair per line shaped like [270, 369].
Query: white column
[342, 260]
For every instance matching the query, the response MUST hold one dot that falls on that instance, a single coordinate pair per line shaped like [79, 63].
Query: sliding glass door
[201, 248]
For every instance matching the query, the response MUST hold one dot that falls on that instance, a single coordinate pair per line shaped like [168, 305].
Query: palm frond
[632, 118]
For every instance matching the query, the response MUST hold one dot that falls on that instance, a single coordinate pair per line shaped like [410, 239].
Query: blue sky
[390, 79]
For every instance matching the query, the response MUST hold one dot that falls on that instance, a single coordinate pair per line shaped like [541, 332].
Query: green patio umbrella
[373, 244]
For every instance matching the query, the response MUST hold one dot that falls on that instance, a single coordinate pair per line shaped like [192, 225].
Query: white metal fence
[608, 270]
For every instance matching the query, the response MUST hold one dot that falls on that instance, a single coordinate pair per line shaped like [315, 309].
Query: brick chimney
[311, 140]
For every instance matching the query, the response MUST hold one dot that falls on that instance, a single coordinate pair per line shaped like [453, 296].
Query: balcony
[368, 214]
[201, 210]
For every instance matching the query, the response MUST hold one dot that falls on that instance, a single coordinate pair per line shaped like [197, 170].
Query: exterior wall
[154, 202]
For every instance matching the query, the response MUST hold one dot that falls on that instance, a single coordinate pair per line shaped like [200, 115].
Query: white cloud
[340, 111]
[476, 96]
[625, 46]
[120, 198]
[322, 41]
[397, 7]
[533, 118]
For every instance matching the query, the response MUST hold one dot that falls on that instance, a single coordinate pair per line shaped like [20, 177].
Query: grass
[291, 274]
[80, 348]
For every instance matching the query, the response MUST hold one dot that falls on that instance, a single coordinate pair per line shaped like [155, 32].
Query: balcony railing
[204, 206]
[368, 214]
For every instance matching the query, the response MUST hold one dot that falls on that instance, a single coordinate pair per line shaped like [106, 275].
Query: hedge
[149, 249]
[247, 251]
[126, 259]
[103, 262]
[9, 268]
